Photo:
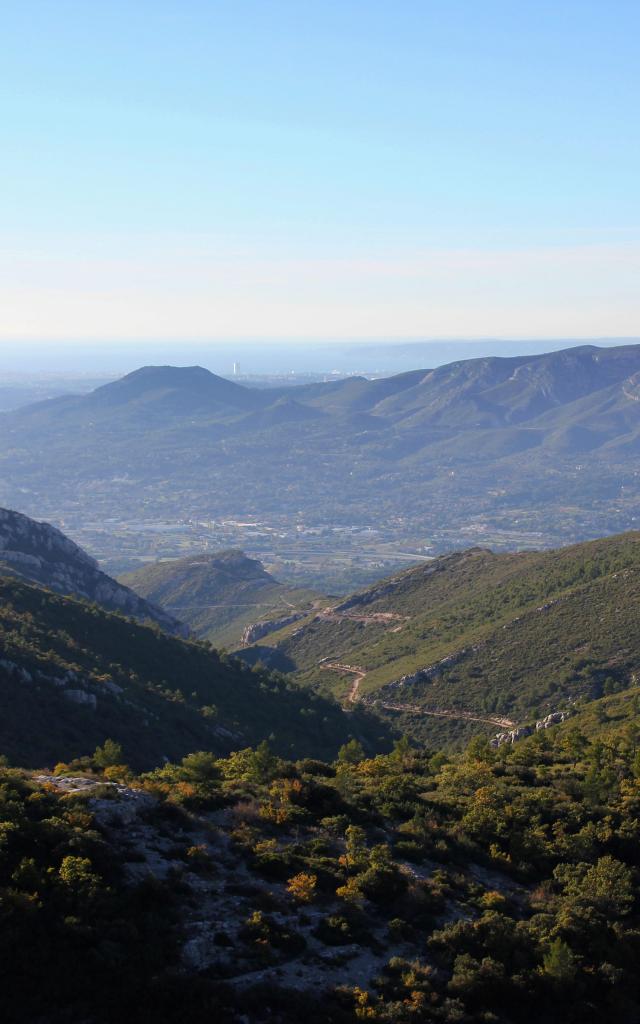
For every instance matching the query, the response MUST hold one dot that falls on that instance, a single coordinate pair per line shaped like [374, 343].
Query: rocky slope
[494, 885]
[41, 554]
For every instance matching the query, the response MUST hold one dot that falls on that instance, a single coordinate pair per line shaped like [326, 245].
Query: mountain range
[521, 451]
[474, 394]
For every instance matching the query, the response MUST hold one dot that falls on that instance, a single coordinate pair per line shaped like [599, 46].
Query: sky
[318, 170]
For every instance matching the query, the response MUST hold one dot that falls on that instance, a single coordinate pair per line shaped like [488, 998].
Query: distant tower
[236, 369]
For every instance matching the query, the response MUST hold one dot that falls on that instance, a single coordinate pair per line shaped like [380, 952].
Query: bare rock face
[39, 553]
[257, 630]
[526, 730]
[512, 736]
[553, 719]
[112, 803]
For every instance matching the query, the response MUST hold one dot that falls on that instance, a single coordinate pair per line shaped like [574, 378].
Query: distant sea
[268, 356]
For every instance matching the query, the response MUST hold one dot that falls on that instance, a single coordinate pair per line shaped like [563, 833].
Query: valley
[320, 512]
[522, 452]
[376, 803]
[391, 764]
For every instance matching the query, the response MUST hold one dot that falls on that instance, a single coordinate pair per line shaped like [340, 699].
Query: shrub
[302, 887]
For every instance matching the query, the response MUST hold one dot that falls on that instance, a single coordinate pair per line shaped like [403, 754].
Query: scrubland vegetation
[412, 886]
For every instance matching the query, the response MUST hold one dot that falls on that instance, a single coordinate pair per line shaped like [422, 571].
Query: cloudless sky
[319, 169]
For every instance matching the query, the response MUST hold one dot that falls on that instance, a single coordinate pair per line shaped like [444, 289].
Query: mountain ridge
[40, 553]
[543, 448]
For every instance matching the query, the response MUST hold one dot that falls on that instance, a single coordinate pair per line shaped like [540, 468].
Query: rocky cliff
[39, 553]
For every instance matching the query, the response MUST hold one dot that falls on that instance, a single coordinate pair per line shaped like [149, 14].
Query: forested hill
[476, 640]
[219, 594]
[72, 675]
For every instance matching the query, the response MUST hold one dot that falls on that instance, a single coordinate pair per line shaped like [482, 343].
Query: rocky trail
[355, 670]
[333, 615]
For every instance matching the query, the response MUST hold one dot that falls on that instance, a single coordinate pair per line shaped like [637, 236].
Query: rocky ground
[221, 894]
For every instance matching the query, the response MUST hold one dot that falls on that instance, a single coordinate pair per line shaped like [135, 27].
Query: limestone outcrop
[39, 553]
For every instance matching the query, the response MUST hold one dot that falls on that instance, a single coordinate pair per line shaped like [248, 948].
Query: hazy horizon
[266, 357]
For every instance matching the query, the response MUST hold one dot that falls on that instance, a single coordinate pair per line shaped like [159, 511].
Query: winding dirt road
[355, 670]
[466, 716]
[385, 618]
[353, 697]
[359, 673]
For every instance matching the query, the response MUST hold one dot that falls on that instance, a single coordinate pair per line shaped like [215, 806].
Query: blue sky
[319, 169]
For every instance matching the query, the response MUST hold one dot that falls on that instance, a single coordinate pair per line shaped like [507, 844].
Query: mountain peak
[174, 376]
[168, 378]
[170, 390]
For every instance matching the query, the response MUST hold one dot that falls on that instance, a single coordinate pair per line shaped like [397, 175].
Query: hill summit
[221, 595]
[172, 385]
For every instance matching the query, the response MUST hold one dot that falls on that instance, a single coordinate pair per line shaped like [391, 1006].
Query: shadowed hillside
[72, 675]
